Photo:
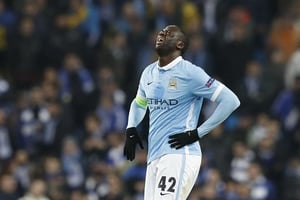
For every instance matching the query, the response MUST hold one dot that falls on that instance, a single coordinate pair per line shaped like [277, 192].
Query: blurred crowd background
[70, 68]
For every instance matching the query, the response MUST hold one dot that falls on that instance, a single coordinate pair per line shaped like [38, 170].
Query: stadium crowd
[69, 68]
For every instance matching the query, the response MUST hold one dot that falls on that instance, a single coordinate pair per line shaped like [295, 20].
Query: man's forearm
[136, 114]
[227, 103]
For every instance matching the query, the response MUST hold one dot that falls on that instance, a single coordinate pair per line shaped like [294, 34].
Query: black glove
[179, 140]
[132, 139]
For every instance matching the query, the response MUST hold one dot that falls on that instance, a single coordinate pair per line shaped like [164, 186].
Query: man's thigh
[171, 177]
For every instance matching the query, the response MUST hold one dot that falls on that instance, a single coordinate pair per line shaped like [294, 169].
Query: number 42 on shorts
[167, 186]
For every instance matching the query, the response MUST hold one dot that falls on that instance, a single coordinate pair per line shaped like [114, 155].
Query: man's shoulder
[189, 67]
[147, 70]
[187, 63]
[151, 65]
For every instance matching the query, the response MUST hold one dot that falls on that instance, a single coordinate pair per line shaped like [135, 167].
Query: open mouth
[159, 42]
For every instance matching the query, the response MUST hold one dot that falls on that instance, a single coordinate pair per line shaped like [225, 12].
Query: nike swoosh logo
[149, 83]
[162, 194]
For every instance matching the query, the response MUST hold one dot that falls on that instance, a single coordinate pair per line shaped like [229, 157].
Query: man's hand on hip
[179, 140]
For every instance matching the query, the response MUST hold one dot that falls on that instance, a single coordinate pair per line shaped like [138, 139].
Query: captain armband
[140, 101]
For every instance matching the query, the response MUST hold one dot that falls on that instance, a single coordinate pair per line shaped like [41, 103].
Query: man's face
[167, 40]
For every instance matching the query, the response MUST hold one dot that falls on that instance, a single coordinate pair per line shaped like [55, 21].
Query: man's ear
[180, 45]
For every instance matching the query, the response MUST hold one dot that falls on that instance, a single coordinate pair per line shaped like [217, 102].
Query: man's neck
[164, 60]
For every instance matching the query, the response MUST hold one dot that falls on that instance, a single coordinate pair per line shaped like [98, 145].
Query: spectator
[22, 168]
[108, 85]
[230, 190]
[291, 181]
[31, 119]
[37, 10]
[94, 146]
[50, 85]
[146, 54]
[235, 47]
[286, 106]
[266, 154]
[242, 157]
[94, 128]
[111, 101]
[191, 19]
[6, 93]
[7, 21]
[215, 180]
[6, 143]
[52, 174]
[78, 195]
[167, 13]
[77, 86]
[8, 187]
[282, 38]
[24, 54]
[71, 164]
[114, 188]
[37, 191]
[62, 39]
[198, 54]
[258, 130]
[255, 89]
[134, 176]
[208, 191]
[292, 68]
[216, 147]
[57, 127]
[115, 152]
[113, 116]
[260, 187]
[96, 184]
[84, 15]
[243, 191]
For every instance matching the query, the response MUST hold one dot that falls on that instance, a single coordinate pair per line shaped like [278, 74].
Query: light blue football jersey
[174, 96]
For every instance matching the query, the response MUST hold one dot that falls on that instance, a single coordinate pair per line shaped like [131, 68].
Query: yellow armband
[142, 102]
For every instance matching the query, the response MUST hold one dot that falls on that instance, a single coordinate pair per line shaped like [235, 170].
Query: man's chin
[162, 52]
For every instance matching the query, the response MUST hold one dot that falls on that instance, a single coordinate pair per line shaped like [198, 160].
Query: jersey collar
[171, 64]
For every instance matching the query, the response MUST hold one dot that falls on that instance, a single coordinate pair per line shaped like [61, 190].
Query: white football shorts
[171, 177]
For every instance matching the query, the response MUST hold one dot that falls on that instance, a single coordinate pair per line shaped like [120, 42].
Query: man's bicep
[205, 86]
[201, 83]
[141, 87]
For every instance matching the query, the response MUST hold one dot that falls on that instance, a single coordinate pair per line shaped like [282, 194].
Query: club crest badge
[172, 84]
